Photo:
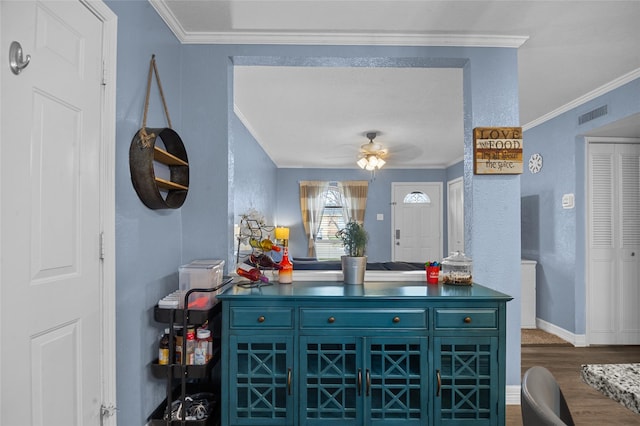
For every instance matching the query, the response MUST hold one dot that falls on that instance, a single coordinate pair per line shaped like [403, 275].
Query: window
[332, 219]
[416, 197]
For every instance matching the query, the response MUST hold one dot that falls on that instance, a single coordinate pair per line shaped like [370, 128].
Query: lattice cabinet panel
[467, 370]
[332, 380]
[397, 371]
[262, 387]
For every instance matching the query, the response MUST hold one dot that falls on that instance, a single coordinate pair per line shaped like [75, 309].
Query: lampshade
[282, 233]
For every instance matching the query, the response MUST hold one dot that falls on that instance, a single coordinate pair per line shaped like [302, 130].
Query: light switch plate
[568, 201]
[380, 216]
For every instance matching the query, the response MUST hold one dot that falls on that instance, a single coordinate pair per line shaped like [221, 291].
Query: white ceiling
[569, 52]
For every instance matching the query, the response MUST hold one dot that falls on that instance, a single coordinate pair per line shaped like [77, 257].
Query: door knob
[16, 62]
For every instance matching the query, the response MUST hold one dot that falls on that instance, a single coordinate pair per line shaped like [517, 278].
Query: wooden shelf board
[164, 157]
[165, 184]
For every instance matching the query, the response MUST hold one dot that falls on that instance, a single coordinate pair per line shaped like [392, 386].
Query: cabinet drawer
[261, 318]
[363, 318]
[466, 318]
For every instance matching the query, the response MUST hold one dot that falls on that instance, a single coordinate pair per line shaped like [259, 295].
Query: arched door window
[416, 197]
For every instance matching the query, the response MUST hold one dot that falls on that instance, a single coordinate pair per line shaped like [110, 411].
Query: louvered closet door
[613, 289]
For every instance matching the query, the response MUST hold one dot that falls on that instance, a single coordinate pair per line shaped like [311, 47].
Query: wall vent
[592, 115]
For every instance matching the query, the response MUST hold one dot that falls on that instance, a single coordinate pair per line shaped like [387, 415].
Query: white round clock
[535, 163]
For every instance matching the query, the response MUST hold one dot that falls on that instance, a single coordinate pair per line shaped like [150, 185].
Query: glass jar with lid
[456, 269]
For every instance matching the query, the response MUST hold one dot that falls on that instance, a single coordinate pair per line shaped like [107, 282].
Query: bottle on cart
[163, 348]
[250, 272]
[202, 352]
[179, 333]
[191, 345]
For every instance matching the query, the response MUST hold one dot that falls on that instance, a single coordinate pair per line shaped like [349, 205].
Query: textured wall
[551, 235]
[148, 242]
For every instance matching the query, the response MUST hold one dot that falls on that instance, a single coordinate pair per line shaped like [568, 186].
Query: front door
[417, 221]
[51, 290]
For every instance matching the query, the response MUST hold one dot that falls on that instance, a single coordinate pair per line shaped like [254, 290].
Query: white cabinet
[528, 294]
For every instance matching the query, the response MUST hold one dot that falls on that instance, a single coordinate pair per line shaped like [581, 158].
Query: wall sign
[497, 150]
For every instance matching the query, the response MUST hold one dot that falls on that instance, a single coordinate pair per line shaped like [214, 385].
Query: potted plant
[354, 262]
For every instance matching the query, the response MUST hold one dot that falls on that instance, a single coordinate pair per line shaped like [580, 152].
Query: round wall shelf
[154, 192]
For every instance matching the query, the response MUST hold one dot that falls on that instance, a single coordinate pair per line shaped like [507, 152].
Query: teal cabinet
[321, 353]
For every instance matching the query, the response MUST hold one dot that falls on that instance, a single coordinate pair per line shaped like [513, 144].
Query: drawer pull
[439, 382]
[331, 320]
[289, 381]
[396, 319]
[467, 320]
[359, 381]
[261, 318]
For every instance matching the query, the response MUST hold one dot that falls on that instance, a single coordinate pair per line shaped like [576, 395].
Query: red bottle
[251, 273]
[285, 275]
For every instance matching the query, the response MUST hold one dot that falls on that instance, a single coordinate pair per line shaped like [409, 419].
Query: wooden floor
[587, 405]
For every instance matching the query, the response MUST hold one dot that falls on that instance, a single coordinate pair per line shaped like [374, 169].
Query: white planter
[353, 269]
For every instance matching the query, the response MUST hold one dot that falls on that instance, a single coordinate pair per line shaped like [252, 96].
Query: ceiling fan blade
[402, 152]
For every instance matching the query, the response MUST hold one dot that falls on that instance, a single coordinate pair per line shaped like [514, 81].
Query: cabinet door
[261, 383]
[466, 376]
[364, 381]
[331, 380]
[396, 382]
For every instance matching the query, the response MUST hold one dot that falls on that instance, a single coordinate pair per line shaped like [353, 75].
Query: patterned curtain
[355, 194]
[312, 195]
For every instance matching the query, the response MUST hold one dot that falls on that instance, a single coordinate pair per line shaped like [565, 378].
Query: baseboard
[512, 395]
[577, 340]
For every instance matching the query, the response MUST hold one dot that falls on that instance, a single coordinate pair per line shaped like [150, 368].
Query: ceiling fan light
[369, 152]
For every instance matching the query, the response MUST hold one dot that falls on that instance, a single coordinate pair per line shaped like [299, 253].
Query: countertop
[369, 290]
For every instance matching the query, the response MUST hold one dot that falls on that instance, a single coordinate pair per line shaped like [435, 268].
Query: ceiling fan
[372, 155]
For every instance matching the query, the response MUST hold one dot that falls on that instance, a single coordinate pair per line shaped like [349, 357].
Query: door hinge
[101, 248]
[104, 73]
[107, 410]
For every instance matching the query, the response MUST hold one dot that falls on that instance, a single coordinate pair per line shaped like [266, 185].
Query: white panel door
[50, 177]
[613, 288]
[417, 221]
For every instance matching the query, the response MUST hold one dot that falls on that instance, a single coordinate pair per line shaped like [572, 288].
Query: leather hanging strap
[145, 138]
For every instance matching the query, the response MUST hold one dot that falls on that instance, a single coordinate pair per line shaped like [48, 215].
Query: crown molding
[332, 38]
[605, 88]
[351, 39]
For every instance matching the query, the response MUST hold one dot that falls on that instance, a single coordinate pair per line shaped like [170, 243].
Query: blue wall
[149, 242]
[378, 201]
[551, 235]
[255, 173]
[197, 80]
